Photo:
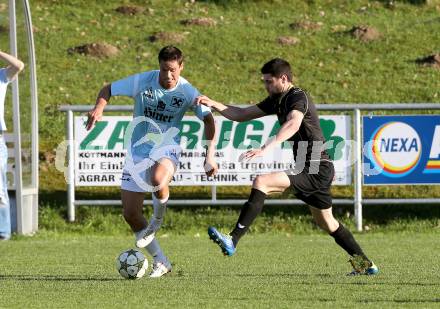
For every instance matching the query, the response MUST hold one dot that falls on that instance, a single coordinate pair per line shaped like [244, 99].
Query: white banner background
[100, 156]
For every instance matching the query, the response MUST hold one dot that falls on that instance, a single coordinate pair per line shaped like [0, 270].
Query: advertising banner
[401, 149]
[100, 153]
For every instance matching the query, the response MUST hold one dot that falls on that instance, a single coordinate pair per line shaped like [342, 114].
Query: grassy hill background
[224, 55]
[223, 60]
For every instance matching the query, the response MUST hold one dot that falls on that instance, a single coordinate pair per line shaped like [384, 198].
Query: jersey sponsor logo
[396, 149]
[154, 114]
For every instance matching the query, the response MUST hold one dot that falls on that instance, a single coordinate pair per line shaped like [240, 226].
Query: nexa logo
[153, 114]
[396, 149]
[398, 144]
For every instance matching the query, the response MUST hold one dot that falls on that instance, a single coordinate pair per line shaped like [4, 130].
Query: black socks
[251, 209]
[345, 239]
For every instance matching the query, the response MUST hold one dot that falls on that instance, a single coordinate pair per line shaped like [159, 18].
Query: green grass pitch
[277, 271]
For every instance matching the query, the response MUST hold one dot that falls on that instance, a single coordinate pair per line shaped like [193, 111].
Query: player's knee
[260, 183]
[157, 181]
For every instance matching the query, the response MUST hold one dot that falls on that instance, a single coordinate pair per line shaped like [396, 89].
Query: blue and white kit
[157, 116]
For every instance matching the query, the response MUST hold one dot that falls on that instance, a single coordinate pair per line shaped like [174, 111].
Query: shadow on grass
[307, 279]
[400, 301]
[55, 278]
[413, 2]
[365, 301]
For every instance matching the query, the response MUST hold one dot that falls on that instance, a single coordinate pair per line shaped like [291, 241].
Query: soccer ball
[131, 264]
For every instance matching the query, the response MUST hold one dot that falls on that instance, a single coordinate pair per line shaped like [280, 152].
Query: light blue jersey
[164, 107]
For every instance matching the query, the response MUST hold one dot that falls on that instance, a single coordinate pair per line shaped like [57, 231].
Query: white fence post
[358, 171]
[71, 169]
[214, 194]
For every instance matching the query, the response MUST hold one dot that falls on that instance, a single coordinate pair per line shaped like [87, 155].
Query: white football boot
[146, 236]
[160, 268]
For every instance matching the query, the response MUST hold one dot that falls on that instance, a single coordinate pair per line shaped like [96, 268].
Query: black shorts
[314, 189]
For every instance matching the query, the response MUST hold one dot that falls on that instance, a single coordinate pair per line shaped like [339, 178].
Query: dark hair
[170, 53]
[277, 67]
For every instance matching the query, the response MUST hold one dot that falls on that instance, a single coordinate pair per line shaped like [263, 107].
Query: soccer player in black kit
[313, 173]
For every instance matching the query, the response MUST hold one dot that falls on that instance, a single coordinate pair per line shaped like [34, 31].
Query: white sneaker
[146, 236]
[160, 269]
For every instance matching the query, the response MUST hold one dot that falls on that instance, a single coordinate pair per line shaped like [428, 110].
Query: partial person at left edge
[7, 75]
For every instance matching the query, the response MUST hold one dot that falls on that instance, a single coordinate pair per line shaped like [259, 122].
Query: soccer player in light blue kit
[7, 74]
[161, 99]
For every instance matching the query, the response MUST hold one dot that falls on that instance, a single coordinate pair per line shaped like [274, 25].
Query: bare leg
[132, 203]
[161, 175]
[272, 183]
[324, 219]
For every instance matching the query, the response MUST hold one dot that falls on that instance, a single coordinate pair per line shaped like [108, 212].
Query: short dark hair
[171, 53]
[277, 67]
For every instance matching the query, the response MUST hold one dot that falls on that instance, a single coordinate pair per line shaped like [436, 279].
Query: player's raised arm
[234, 113]
[101, 101]
[288, 129]
[15, 66]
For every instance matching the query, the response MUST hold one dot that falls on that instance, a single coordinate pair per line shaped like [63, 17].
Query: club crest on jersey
[176, 102]
[148, 94]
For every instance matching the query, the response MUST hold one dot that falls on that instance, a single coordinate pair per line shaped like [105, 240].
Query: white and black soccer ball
[131, 264]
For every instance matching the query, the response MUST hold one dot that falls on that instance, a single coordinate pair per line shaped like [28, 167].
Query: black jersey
[309, 131]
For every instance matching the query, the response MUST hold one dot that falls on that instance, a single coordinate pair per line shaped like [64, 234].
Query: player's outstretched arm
[210, 165]
[15, 66]
[234, 113]
[96, 113]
